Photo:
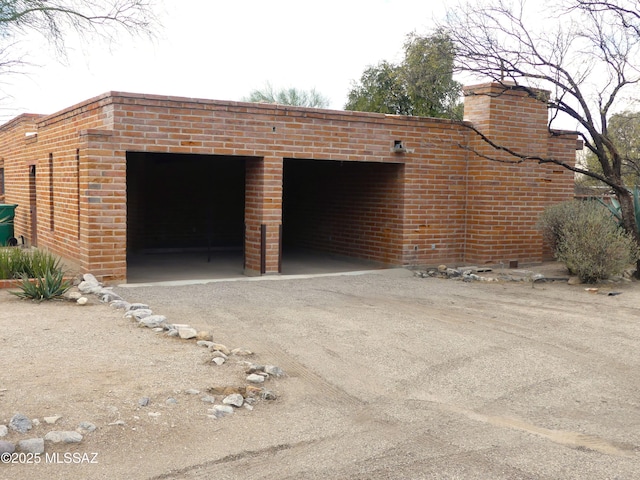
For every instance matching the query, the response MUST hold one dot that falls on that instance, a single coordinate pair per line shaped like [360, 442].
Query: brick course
[435, 203]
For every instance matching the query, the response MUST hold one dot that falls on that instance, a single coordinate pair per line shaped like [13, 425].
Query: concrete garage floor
[192, 267]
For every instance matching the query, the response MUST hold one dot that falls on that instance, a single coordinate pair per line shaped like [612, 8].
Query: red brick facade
[330, 179]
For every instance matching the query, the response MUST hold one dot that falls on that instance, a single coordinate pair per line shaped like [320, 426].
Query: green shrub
[14, 262]
[19, 262]
[554, 218]
[588, 240]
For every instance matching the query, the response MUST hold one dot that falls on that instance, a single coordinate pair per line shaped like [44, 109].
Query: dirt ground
[389, 376]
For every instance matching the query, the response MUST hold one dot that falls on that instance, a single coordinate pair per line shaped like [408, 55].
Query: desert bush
[554, 218]
[19, 262]
[588, 240]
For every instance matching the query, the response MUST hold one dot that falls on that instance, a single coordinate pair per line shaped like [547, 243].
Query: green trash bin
[7, 214]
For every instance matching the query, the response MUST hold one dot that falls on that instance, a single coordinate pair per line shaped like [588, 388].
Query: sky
[223, 49]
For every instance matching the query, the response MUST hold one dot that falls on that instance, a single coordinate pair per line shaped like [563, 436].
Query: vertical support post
[263, 215]
[280, 249]
[263, 249]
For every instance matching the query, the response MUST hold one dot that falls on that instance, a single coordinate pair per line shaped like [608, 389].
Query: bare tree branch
[586, 53]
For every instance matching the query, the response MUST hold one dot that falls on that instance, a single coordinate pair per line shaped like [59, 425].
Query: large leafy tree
[585, 52]
[422, 84]
[288, 96]
[624, 130]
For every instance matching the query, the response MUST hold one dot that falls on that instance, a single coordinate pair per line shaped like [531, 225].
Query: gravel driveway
[399, 377]
[393, 376]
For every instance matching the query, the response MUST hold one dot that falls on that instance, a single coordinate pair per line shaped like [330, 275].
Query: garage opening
[185, 216]
[344, 210]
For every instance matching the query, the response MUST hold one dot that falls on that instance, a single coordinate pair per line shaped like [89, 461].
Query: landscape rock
[274, 371]
[3, 430]
[154, 414]
[138, 313]
[219, 354]
[220, 348]
[144, 401]
[137, 306]
[171, 401]
[63, 437]
[172, 333]
[187, 333]
[204, 336]
[120, 304]
[153, 321]
[7, 447]
[73, 295]
[204, 343]
[208, 399]
[235, 399]
[82, 301]
[20, 423]
[107, 296]
[219, 411]
[86, 427]
[31, 445]
[89, 284]
[268, 395]
[241, 352]
[255, 378]
[51, 420]
[192, 391]
[218, 361]
[90, 278]
[254, 368]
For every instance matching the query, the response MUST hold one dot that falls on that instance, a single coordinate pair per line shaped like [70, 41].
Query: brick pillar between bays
[263, 215]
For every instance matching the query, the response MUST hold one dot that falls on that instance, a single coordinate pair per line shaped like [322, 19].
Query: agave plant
[49, 286]
[614, 207]
[43, 278]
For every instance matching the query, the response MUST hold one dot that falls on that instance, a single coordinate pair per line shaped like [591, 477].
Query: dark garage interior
[192, 205]
[352, 209]
[185, 215]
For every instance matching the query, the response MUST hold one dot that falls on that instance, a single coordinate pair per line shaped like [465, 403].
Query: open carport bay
[186, 213]
[393, 376]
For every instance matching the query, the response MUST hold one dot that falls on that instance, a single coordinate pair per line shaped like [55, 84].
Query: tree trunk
[627, 212]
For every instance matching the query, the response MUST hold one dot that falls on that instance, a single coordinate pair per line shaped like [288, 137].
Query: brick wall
[437, 202]
[505, 199]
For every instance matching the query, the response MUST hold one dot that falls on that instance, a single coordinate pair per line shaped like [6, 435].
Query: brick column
[263, 215]
[103, 208]
[504, 200]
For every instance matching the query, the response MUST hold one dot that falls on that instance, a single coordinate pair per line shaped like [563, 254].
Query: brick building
[122, 173]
